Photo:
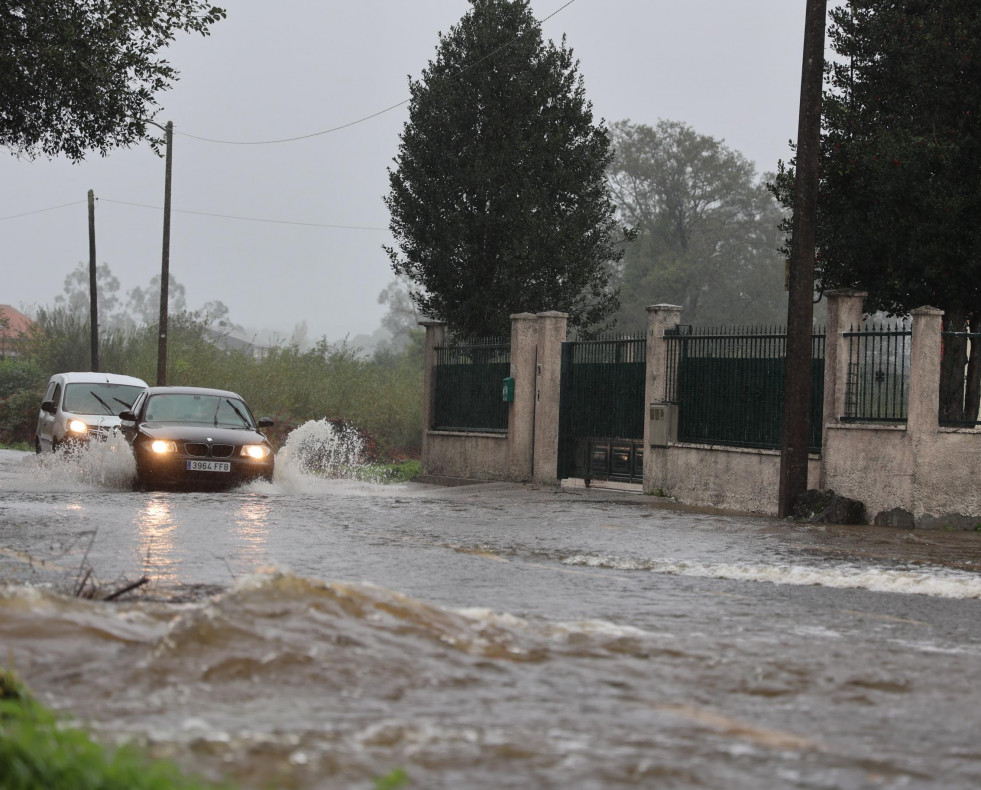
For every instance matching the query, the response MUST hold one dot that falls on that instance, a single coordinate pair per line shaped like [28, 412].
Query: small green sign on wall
[507, 393]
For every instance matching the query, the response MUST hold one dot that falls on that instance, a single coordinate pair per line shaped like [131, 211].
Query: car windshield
[203, 409]
[99, 397]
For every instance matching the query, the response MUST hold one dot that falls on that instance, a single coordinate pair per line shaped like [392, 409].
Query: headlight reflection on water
[252, 531]
[157, 540]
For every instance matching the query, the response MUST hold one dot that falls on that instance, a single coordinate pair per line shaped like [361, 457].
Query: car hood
[190, 432]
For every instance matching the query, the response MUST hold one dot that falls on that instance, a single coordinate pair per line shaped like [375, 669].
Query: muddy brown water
[315, 633]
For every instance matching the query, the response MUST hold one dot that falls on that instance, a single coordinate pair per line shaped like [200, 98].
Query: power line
[367, 117]
[245, 219]
[42, 210]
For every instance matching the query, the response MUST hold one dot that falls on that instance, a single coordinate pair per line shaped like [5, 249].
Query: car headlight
[77, 426]
[256, 451]
[161, 446]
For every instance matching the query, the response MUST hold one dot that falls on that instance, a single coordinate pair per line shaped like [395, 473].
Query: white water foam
[86, 467]
[936, 581]
[321, 458]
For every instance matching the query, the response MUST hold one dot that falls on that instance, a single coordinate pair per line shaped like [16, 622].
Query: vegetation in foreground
[37, 750]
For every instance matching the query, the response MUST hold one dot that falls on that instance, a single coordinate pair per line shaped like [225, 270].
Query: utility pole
[165, 262]
[800, 305]
[93, 289]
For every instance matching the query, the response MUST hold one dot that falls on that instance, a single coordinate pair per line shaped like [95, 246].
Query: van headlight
[257, 451]
[77, 426]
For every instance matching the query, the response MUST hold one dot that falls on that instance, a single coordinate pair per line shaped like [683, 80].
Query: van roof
[99, 378]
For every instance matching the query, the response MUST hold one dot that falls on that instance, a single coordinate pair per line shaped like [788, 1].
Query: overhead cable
[359, 120]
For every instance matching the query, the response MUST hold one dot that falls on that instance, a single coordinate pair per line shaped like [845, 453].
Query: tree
[499, 202]
[80, 76]
[402, 319]
[708, 230]
[143, 305]
[897, 208]
[77, 300]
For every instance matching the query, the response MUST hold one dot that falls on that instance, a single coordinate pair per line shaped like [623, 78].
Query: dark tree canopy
[499, 201]
[900, 195]
[80, 76]
[708, 229]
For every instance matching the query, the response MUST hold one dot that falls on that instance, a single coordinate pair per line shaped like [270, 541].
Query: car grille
[201, 450]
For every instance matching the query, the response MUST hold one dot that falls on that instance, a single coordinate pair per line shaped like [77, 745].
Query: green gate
[601, 409]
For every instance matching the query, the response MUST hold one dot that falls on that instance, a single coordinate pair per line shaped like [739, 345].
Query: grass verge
[39, 750]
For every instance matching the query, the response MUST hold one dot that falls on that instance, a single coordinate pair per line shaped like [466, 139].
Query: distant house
[13, 326]
[235, 339]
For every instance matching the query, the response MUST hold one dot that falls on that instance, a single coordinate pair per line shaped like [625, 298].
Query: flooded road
[316, 633]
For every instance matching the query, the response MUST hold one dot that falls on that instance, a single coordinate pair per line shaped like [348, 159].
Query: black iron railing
[603, 386]
[468, 382]
[728, 384]
[877, 383]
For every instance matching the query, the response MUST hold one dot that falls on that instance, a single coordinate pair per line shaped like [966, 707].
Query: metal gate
[601, 409]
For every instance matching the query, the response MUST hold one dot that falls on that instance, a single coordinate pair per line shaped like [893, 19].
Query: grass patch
[23, 446]
[400, 472]
[39, 750]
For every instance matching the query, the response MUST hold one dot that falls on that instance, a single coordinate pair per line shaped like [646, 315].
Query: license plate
[209, 466]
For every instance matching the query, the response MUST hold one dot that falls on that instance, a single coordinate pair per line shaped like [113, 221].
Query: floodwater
[317, 633]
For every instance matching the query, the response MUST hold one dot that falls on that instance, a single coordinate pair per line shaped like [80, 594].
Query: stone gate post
[844, 314]
[659, 318]
[435, 335]
[521, 412]
[551, 334]
[924, 372]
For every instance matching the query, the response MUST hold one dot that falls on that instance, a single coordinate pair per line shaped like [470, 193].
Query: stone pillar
[924, 372]
[659, 318]
[844, 315]
[521, 413]
[435, 335]
[551, 335]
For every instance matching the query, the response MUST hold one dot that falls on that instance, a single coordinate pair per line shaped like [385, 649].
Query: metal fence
[467, 385]
[971, 338]
[728, 385]
[877, 384]
[603, 386]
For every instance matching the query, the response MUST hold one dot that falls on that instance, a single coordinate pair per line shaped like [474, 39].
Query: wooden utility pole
[165, 263]
[800, 306]
[93, 289]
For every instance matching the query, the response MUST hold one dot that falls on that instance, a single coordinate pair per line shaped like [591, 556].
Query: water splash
[321, 448]
[84, 467]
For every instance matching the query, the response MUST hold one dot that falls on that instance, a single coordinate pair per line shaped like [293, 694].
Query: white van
[82, 406]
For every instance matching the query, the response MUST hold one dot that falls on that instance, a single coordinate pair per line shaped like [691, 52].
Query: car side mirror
[266, 422]
[48, 406]
[127, 416]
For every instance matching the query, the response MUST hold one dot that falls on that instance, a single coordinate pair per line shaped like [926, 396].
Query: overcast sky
[280, 70]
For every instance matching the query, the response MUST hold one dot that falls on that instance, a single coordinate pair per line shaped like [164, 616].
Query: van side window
[56, 397]
[49, 392]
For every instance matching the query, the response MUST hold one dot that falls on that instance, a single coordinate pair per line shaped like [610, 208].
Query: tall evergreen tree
[499, 201]
[900, 192]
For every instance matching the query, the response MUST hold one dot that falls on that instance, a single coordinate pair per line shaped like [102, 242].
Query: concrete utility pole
[93, 289]
[800, 307]
[165, 262]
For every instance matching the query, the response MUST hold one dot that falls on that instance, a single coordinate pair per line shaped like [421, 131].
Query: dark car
[193, 437]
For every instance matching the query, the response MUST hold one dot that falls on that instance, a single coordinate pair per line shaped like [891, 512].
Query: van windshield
[99, 398]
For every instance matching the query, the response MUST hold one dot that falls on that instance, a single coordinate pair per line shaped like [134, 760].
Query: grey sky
[270, 71]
